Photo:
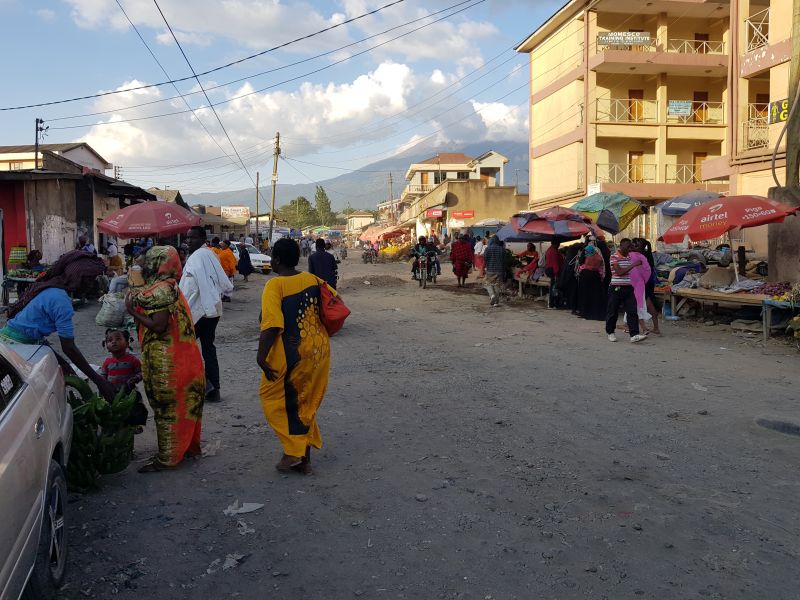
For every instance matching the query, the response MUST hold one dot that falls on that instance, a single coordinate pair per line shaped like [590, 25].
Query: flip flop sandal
[155, 466]
[288, 463]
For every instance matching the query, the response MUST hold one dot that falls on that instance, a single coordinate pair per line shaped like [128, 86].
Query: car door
[24, 460]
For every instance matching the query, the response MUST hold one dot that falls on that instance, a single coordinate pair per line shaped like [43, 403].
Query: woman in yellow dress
[294, 355]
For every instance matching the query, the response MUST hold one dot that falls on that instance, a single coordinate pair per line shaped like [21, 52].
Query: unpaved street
[470, 452]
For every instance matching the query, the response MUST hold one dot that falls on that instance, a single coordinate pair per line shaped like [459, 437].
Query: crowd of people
[175, 299]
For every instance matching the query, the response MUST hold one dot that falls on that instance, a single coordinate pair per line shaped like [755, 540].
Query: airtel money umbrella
[716, 218]
[149, 218]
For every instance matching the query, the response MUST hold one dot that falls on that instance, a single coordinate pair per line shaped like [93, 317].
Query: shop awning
[372, 233]
[392, 232]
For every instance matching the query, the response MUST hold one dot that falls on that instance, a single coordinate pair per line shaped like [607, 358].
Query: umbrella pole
[735, 266]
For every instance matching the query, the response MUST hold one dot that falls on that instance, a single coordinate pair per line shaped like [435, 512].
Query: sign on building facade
[624, 38]
[779, 111]
[679, 108]
[235, 212]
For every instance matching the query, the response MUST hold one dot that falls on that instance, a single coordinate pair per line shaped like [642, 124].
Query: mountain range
[369, 185]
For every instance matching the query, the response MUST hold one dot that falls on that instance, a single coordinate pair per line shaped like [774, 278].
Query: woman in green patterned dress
[172, 366]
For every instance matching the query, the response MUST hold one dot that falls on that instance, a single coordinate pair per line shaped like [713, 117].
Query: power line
[282, 67]
[315, 71]
[216, 114]
[163, 70]
[215, 69]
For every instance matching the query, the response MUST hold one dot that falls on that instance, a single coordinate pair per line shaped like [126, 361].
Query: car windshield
[252, 249]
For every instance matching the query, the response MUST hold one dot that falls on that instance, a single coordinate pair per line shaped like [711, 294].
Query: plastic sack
[112, 311]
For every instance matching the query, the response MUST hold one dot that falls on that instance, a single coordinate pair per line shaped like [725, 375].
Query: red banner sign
[434, 213]
[462, 214]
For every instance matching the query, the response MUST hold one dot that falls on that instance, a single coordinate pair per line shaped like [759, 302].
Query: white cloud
[503, 122]
[45, 14]
[195, 39]
[357, 116]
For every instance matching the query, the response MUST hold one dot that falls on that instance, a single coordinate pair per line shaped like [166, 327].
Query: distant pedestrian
[323, 264]
[461, 256]
[174, 386]
[294, 356]
[553, 263]
[85, 245]
[228, 261]
[621, 293]
[203, 283]
[480, 248]
[495, 267]
[245, 265]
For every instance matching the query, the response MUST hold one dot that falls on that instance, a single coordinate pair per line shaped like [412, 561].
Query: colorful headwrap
[161, 270]
[589, 250]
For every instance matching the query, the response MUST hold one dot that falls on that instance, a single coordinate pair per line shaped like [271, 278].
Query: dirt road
[509, 453]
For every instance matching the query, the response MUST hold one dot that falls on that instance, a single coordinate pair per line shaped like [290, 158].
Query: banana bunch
[102, 441]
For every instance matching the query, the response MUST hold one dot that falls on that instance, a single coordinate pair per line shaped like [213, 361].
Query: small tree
[298, 213]
[323, 205]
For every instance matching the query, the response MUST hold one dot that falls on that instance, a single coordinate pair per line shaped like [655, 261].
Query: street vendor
[46, 308]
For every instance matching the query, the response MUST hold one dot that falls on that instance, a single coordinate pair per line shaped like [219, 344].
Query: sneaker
[612, 337]
[638, 338]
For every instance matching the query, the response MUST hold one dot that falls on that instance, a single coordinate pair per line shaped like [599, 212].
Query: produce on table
[24, 274]
[102, 441]
[772, 289]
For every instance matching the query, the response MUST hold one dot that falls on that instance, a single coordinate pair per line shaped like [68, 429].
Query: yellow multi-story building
[655, 99]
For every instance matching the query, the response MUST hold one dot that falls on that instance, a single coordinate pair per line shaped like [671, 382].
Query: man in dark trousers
[323, 264]
[621, 293]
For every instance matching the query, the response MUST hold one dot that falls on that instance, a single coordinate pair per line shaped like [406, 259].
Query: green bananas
[102, 441]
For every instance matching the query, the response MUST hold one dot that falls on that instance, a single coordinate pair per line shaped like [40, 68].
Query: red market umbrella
[716, 218]
[149, 218]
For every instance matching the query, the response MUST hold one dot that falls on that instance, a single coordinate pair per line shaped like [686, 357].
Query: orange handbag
[332, 310]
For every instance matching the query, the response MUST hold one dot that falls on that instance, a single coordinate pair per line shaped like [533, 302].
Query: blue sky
[423, 86]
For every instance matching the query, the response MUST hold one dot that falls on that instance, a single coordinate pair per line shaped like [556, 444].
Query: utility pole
[784, 238]
[257, 231]
[40, 129]
[793, 126]
[274, 182]
[392, 207]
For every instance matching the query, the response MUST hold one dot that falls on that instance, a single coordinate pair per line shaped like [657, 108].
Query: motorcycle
[369, 256]
[426, 269]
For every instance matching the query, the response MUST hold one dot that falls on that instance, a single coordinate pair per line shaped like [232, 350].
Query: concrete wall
[50, 206]
[557, 114]
[485, 201]
[558, 55]
[556, 173]
[83, 157]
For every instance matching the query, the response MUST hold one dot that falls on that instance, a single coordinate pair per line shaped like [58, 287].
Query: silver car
[35, 437]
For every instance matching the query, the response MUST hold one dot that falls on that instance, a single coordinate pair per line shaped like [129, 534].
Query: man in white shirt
[203, 283]
[248, 240]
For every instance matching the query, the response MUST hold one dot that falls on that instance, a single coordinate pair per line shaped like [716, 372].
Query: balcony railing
[630, 110]
[757, 30]
[419, 188]
[711, 113]
[682, 174]
[755, 133]
[757, 110]
[626, 173]
[695, 47]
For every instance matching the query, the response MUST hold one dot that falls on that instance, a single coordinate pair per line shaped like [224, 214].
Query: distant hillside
[365, 189]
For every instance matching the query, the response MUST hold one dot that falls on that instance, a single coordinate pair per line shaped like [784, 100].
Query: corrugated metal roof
[51, 148]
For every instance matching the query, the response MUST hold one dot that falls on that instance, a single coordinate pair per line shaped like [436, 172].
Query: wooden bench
[712, 297]
[540, 284]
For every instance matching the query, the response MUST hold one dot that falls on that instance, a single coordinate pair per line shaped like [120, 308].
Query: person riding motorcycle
[422, 248]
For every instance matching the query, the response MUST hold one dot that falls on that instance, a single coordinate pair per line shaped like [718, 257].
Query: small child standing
[123, 370]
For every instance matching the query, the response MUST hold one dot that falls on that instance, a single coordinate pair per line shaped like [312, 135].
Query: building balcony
[626, 173]
[628, 110]
[702, 113]
[418, 188]
[755, 134]
[757, 30]
[700, 58]
[694, 47]
[682, 174]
